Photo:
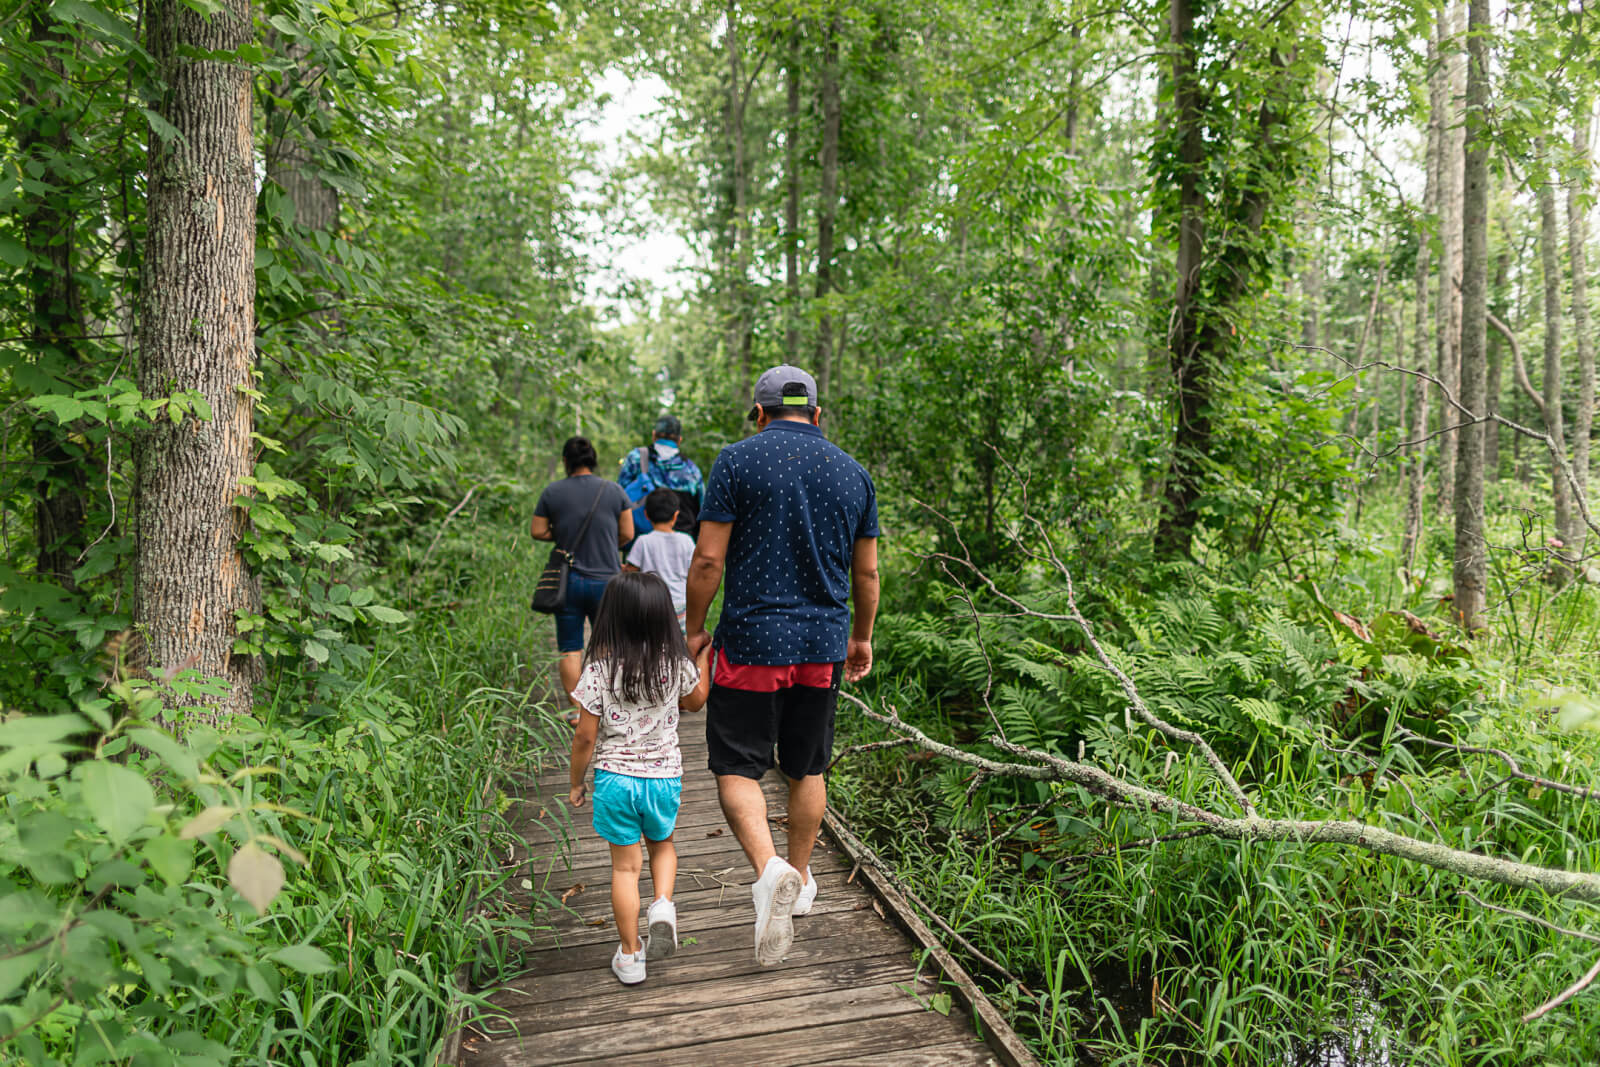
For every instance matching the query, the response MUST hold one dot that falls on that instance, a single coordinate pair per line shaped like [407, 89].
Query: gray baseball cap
[783, 386]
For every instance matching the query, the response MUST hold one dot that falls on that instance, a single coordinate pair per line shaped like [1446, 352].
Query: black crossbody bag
[550, 595]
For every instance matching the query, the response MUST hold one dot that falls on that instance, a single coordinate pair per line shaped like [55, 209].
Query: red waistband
[769, 678]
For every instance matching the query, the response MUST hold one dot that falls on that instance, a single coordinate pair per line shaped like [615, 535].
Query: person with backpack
[662, 465]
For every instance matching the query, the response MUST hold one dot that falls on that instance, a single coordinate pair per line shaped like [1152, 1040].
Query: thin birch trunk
[1471, 572]
[1551, 399]
[1416, 460]
[1577, 253]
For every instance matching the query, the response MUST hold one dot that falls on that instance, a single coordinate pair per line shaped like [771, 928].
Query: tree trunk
[791, 205]
[1452, 132]
[1577, 241]
[197, 334]
[828, 202]
[290, 152]
[1549, 256]
[1416, 459]
[61, 483]
[1471, 572]
[1491, 400]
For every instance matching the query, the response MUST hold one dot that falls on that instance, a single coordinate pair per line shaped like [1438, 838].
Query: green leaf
[170, 858]
[209, 821]
[169, 750]
[307, 959]
[89, 14]
[117, 798]
[257, 875]
[17, 969]
[160, 126]
[316, 650]
[383, 614]
[13, 252]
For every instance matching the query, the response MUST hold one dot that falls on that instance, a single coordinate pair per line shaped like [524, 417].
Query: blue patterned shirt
[798, 505]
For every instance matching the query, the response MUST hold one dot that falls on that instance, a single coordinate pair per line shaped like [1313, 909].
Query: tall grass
[1202, 951]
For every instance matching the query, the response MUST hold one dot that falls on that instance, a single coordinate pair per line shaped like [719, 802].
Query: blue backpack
[641, 487]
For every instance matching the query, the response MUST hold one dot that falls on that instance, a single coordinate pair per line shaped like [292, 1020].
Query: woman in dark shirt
[559, 517]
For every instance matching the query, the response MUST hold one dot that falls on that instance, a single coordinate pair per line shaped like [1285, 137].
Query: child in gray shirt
[664, 551]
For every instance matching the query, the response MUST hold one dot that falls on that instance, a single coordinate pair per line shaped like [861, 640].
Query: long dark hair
[636, 636]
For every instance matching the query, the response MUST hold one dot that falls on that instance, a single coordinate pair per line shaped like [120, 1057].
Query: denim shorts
[582, 601]
[625, 807]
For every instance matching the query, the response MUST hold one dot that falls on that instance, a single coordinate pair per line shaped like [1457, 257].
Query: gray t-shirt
[667, 554]
[565, 503]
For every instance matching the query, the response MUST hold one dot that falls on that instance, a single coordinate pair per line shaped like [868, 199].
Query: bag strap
[587, 519]
[644, 460]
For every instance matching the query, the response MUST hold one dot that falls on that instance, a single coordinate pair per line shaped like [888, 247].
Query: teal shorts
[625, 807]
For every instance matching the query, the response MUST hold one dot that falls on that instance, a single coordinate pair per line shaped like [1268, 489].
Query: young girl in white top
[636, 678]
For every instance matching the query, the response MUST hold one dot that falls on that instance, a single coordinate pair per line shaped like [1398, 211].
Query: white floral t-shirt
[639, 740]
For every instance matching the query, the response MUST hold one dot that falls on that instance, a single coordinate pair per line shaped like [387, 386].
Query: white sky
[662, 258]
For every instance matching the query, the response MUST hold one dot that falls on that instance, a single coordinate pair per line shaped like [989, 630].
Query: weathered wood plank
[567, 931]
[821, 1044]
[660, 995]
[967, 1053]
[861, 929]
[685, 1031]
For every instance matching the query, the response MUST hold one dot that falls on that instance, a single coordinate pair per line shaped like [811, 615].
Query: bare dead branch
[1509, 760]
[1565, 995]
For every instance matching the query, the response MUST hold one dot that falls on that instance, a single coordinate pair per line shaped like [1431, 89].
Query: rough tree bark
[197, 334]
[291, 148]
[828, 201]
[1471, 571]
[1577, 252]
[1191, 371]
[48, 224]
[1551, 400]
[1200, 335]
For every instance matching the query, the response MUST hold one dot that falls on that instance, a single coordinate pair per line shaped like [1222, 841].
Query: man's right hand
[857, 660]
[697, 641]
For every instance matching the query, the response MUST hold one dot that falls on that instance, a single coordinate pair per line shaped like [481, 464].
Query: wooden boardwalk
[850, 991]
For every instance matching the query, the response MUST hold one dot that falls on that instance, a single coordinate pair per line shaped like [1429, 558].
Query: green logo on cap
[797, 401]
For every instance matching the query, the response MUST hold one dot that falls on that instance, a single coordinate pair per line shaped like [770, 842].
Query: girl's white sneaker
[628, 966]
[663, 929]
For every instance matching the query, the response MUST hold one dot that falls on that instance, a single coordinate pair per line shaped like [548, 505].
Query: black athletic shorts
[744, 725]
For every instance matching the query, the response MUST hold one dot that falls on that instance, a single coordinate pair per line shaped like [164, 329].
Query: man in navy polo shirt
[793, 520]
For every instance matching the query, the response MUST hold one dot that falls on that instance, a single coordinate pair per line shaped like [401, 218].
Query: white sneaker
[628, 966]
[663, 929]
[775, 893]
[807, 897]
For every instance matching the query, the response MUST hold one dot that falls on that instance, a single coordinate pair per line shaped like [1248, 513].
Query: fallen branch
[1046, 767]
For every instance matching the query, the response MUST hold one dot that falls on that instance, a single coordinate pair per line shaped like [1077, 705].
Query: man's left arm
[864, 601]
[705, 574]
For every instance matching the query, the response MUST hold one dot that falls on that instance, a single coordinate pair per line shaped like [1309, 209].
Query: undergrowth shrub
[298, 887]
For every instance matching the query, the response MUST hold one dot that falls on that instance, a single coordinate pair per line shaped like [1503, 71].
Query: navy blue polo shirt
[798, 504]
